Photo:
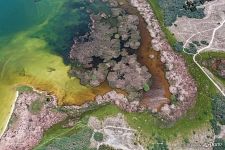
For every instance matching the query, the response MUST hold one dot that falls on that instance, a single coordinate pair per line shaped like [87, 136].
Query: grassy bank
[207, 56]
[160, 17]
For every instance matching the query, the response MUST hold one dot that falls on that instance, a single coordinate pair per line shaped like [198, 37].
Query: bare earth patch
[201, 139]
[188, 30]
[116, 133]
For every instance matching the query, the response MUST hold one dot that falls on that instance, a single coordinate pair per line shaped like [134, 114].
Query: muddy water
[160, 85]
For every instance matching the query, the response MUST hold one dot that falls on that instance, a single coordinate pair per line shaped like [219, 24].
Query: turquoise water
[18, 15]
[35, 39]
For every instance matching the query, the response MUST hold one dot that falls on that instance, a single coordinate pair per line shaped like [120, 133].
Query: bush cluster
[178, 8]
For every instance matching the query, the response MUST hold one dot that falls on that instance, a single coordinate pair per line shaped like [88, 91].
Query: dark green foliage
[36, 106]
[219, 144]
[178, 8]
[218, 108]
[24, 88]
[98, 136]
[159, 145]
[204, 42]
[178, 46]
[105, 147]
[186, 140]
[215, 126]
[197, 43]
[146, 87]
[77, 141]
[192, 48]
[173, 99]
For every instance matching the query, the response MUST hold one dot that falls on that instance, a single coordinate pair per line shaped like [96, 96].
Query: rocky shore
[182, 86]
[32, 115]
[35, 112]
[108, 53]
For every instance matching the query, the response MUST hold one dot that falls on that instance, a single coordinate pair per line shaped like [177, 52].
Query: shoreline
[10, 114]
[30, 121]
[14, 105]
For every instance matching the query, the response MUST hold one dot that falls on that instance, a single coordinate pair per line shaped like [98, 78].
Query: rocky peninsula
[108, 53]
[33, 114]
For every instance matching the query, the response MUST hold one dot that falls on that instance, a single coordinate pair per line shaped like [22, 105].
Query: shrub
[146, 87]
[24, 88]
[219, 144]
[218, 109]
[36, 106]
[178, 46]
[77, 141]
[215, 127]
[159, 145]
[192, 48]
[176, 8]
[173, 99]
[204, 42]
[186, 140]
[105, 147]
[197, 43]
[98, 136]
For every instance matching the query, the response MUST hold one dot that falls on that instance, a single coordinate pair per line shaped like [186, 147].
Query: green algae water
[35, 37]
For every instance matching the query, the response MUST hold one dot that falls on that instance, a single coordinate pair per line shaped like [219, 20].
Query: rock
[166, 109]
[101, 56]
[151, 56]
[113, 3]
[121, 3]
[117, 11]
[117, 36]
[124, 37]
[173, 90]
[103, 15]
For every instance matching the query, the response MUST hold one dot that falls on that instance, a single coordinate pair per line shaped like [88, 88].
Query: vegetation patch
[24, 88]
[105, 147]
[159, 145]
[218, 108]
[98, 136]
[215, 63]
[36, 106]
[59, 137]
[78, 141]
[146, 87]
[219, 144]
[177, 8]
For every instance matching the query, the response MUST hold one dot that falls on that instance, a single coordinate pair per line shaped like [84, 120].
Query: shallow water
[35, 38]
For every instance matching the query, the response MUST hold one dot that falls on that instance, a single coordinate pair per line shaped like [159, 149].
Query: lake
[35, 39]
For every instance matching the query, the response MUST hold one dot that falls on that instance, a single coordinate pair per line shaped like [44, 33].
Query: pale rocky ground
[116, 133]
[187, 30]
[26, 128]
[200, 139]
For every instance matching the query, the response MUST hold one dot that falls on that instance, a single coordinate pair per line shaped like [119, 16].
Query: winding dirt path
[221, 89]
